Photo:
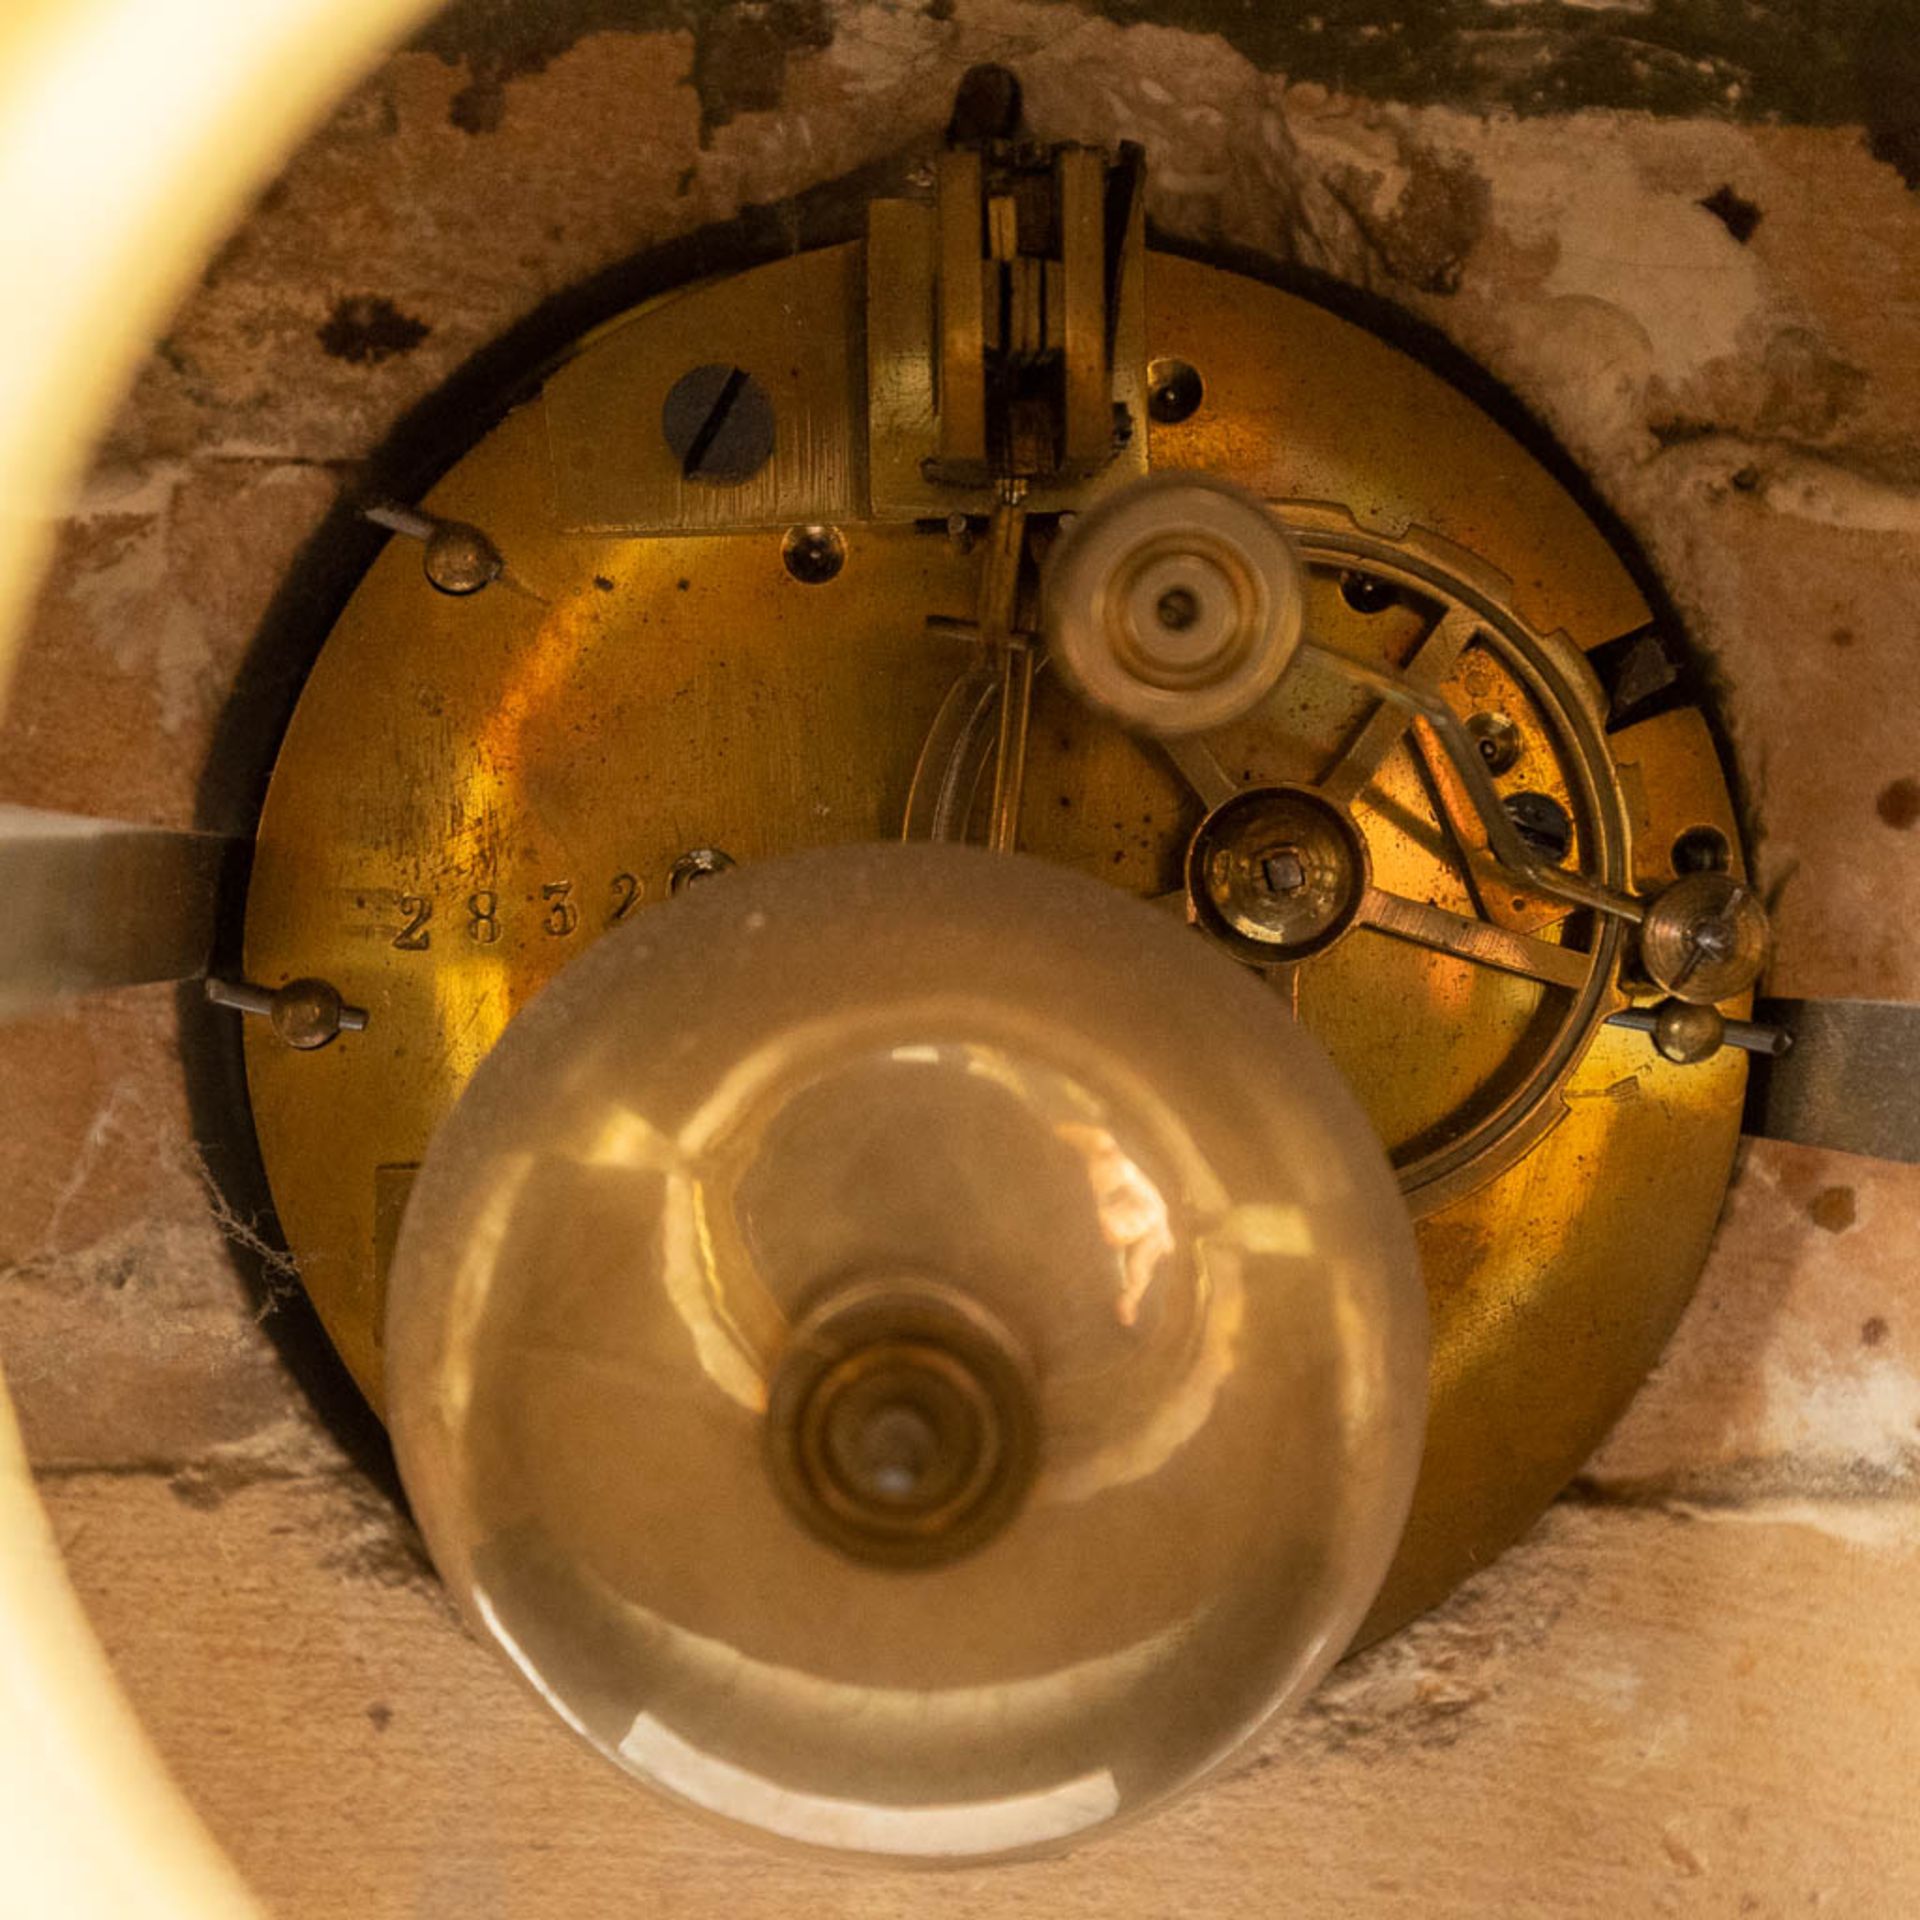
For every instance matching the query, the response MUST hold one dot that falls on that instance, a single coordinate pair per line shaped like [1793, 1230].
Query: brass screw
[461, 559]
[1687, 1034]
[304, 1014]
[698, 863]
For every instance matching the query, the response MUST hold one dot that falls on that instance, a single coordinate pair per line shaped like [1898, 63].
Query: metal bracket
[1006, 331]
[95, 904]
[1850, 1080]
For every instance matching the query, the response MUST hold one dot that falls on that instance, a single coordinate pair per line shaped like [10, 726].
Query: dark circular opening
[814, 555]
[1702, 850]
[1174, 391]
[718, 424]
[1364, 594]
[1178, 609]
[1543, 823]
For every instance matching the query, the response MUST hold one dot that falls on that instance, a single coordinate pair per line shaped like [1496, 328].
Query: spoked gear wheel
[1411, 850]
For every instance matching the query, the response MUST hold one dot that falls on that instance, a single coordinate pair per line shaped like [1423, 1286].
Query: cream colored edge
[131, 134]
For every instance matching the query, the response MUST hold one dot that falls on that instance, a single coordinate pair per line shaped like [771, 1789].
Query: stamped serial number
[559, 910]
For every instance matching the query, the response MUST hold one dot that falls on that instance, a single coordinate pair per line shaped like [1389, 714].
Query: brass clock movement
[915, 1346]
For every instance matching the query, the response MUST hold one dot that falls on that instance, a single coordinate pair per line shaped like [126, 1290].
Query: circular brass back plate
[474, 788]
